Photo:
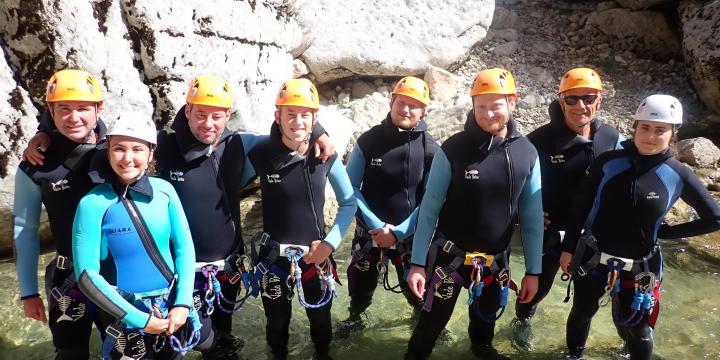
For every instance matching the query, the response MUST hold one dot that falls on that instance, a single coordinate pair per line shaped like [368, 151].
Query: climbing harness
[398, 255]
[325, 271]
[485, 270]
[156, 303]
[235, 269]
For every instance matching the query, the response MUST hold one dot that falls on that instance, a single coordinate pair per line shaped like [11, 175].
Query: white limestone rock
[701, 46]
[389, 38]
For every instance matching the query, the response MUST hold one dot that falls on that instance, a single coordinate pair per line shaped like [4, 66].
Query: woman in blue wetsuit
[621, 206]
[134, 220]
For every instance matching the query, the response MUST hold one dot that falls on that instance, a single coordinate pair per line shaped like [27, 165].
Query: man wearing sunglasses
[566, 146]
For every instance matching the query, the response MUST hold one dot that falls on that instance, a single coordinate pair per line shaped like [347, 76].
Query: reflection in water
[688, 327]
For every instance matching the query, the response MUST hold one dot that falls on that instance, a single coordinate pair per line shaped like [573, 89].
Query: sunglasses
[587, 99]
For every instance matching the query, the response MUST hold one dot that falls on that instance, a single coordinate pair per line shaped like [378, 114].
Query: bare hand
[34, 309]
[383, 236]
[176, 318]
[528, 288]
[416, 280]
[565, 260]
[546, 219]
[324, 148]
[318, 253]
[156, 326]
[37, 145]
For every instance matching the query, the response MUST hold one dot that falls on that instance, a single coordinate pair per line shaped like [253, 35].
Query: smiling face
[129, 157]
[579, 107]
[652, 137]
[406, 112]
[492, 112]
[207, 122]
[75, 119]
[296, 124]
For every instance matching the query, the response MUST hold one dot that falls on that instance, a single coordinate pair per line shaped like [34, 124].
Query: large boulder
[248, 43]
[17, 122]
[647, 33]
[392, 37]
[701, 46]
[698, 152]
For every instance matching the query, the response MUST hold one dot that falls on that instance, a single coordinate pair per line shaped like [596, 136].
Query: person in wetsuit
[566, 147]
[74, 105]
[137, 223]
[388, 168]
[611, 247]
[481, 180]
[295, 249]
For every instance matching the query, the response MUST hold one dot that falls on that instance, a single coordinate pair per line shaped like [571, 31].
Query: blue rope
[327, 284]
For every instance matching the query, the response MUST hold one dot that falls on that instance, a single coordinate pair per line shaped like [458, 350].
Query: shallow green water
[688, 328]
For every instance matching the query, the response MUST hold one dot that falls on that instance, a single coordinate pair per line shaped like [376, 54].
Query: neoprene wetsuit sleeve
[347, 205]
[696, 195]
[406, 228]
[184, 250]
[356, 173]
[531, 220]
[582, 205]
[430, 207]
[249, 142]
[88, 247]
[26, 224]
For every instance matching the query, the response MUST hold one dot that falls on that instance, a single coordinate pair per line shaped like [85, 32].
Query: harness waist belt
[219, 263]
[627, 263]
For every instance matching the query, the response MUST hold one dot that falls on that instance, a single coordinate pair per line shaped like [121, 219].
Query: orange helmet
[298, 92]
[413, 87]
[210, 90]
[580, 78]
[493, 81]
[73, 85]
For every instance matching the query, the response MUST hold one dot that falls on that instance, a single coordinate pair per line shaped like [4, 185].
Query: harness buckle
[56, 294]
[581, 271]
[264, 239]
[60, 262]
[440, 273]
[447, 246]
[233, 280]
[261, 267]
[469, 256]
[113, 332]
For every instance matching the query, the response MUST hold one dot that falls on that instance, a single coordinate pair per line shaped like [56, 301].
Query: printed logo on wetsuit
[60, 185]
[177, 175]
[471, 175]
[376, 162]
[120, 230]
[557, 159]
[652, 195]
[273, 178]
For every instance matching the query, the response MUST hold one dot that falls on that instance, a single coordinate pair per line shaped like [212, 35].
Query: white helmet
[134, 124]
[661, 108]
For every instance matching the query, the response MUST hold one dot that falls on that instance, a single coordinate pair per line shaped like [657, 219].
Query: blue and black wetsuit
[388, 169]
[622, 204]
[59, 184]
[565, 157]
[159, 266]
[209, 182]
[477, 187]
[293, 199]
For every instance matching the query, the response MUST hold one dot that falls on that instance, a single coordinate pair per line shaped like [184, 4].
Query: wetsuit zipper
[216, 170]
[407, 173]
[306, 171]
[510, 180]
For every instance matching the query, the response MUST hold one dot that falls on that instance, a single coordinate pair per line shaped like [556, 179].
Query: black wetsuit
[62, 181]
[388, 169]
[293, 199]
[488, 182]
[564, 159]
[622, 203]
